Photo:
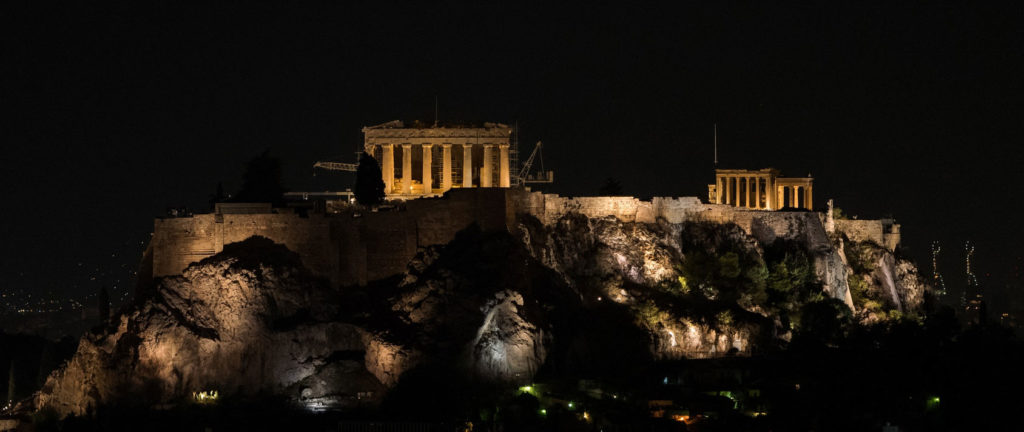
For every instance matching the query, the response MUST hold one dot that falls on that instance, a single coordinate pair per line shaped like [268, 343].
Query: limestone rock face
[245, 322]
[605, 251]
[573, 293]
[479, 302]
[507, 347]
[607, 260]
[884, 282]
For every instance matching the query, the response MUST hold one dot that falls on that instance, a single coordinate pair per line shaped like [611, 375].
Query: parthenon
[761, 189]
[469, 157]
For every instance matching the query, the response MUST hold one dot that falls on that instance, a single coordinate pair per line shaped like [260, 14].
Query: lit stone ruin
[428, 161]
[761, 189]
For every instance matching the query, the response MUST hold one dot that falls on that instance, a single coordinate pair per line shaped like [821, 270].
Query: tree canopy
[261, 181]
[369, 183]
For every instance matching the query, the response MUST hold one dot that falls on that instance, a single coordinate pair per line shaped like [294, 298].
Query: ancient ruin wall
[354, 248]
[883, 232]
[348, 248]
[549, 207]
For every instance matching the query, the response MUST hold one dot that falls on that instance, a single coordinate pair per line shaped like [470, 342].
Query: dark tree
[611, 187]
[218, 196]
[369, 183]
[103, 305]
[262, 180]
[823, 321]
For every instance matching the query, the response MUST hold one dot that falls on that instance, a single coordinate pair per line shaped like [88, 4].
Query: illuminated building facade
[426, 161]
[761, 189]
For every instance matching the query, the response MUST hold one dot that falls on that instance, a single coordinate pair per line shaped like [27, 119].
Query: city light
[204, 397]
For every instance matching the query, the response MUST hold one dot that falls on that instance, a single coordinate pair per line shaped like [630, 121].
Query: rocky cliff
[576, 295]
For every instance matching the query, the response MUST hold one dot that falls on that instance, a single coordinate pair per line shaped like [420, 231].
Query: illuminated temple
[427, 161]
[761, 189]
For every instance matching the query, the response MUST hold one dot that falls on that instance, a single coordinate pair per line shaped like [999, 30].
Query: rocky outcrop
[883, 284]
[573, 293]
[248, 321]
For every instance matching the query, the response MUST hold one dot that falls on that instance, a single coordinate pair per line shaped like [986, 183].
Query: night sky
[113, 115]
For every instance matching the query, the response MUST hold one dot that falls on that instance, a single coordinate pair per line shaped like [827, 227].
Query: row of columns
[486, 171]
[807, 192]
[726, 193]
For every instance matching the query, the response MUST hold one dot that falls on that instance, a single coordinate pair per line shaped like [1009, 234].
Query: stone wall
[549, 208]
[883, 232]
[355, 247]
[348, 248]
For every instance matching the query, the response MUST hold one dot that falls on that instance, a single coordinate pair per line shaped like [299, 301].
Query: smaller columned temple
[426, 161]
[761, 189]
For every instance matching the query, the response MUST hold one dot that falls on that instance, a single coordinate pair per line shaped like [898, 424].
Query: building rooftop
[417, 124]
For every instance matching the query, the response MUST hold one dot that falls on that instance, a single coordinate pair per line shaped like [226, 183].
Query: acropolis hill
[478, 190]
[334, 309]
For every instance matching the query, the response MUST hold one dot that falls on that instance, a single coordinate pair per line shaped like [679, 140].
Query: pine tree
[218, 196]
[261, 181]
[369, 183]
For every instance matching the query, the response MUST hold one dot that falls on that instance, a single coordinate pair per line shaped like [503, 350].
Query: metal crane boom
[542, 177]
[336, 166]
[529, 162]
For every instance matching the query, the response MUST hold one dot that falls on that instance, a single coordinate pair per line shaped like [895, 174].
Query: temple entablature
[761, 189]
[433, 160]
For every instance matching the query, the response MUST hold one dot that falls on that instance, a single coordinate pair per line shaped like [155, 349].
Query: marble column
[504, 178]
[388, 167]
[809, 190]
[750, 195]
[446, 167]
[725, 190]
[793, 202]
[406, 168]
[757, 194]
[467, 165]
[487, 169]
[428, 166]
[719, 189]
[736, 202]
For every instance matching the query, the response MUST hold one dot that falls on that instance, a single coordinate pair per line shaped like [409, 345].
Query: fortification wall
[348, 248]
[549, 208]
[883, 232]
[179, 242]
[861, 230]
[356, 247]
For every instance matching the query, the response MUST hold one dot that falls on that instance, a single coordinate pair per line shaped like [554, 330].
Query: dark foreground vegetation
[928, 374]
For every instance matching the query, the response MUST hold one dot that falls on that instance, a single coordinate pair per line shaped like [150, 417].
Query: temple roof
[398, 129]
[417, 124]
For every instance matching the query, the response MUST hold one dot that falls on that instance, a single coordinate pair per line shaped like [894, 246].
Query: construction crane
[524, 176]
[338, 166]
[335, 166]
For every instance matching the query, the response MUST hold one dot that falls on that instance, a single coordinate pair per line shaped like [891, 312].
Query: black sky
[113, 114]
